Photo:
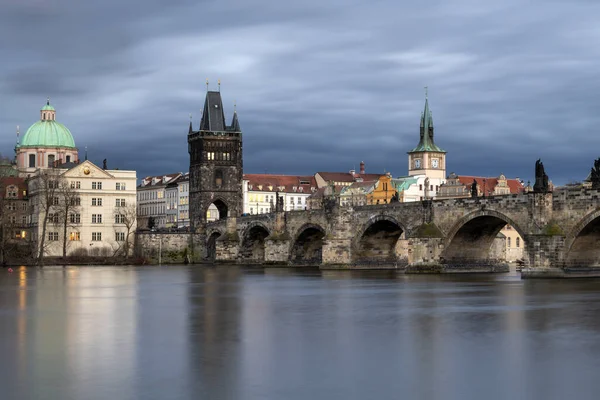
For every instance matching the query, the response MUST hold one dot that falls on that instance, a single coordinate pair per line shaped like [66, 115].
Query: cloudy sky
[320, 85]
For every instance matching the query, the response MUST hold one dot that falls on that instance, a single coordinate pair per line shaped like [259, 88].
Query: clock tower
[427, 158]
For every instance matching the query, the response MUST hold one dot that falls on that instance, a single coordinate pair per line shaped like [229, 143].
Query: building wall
[91, 234]
[183, 212]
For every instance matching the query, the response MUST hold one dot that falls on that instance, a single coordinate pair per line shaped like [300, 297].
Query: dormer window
[259, 187]
[294, 188]
[250, 187]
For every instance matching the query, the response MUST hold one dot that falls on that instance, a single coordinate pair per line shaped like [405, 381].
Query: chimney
[362, 167]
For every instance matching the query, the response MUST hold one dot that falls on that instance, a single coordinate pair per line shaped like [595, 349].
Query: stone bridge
[560, 230]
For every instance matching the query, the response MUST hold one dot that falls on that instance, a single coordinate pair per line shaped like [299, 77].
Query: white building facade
[260, 192]
[102, 215]
[152, 200]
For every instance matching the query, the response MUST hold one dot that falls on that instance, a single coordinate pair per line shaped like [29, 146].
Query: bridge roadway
[560, 230]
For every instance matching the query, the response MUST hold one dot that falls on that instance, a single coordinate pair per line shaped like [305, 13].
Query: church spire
[190, 131]
[426, 142]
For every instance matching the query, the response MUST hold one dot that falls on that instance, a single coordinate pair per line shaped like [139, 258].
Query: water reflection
[235, 333]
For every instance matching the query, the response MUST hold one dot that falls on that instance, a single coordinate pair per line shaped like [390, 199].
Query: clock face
[434, 163]
[418, 163]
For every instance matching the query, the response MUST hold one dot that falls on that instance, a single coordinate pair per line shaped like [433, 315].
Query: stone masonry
[560, 230]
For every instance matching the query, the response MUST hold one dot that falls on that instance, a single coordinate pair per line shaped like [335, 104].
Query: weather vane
[207, 84]
[425, 92]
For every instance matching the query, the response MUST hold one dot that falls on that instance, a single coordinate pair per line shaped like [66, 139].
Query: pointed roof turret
[190, 130]
[426, 142]
[213, 117]
[235, 123]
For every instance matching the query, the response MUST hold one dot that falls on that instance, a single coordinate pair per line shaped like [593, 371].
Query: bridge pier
[227, 246]
[277, 249]
[423, 255]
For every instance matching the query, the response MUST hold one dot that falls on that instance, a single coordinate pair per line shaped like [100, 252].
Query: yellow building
[383, 192]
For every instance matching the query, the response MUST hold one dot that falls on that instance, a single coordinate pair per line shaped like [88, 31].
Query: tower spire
[219, 84]
[426, 142]
[190, 131]
[207, 84]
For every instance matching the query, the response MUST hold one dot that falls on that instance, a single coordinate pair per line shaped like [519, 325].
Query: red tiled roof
[514, 185]
[347, 176]
[16, 181]
[281, 183]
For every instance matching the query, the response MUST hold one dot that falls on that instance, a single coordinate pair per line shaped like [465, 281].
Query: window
[420, 187]
[518, 242]
[75, 218]
[52, 184]
[120, 186]
[96, 236]
[120, 203]
[51, 160]
[53, 218]
[96, 218]
[96, 201]
[120, 236]
[75, 184]
[508, 242]
[68, 158]
[76, 201]
[119, 219]
[97, 185]
[53, 236]
[74, 236]
[32, 161]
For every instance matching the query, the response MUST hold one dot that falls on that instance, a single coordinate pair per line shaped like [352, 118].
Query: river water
[232, 333]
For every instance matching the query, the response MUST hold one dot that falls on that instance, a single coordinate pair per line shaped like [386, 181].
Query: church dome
[47, 132]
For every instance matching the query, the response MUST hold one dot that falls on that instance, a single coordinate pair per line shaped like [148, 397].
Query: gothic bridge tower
[216, 169]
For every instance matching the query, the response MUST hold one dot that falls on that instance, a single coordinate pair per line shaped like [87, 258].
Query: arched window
[508, 242]
[218, 178]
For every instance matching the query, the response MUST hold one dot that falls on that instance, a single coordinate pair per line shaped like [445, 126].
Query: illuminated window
[74, 236]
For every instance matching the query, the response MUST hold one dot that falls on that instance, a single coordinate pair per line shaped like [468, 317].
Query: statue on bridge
[395, 198]
[278, 202]
[595, 175]
[474, 192]
[541, 179]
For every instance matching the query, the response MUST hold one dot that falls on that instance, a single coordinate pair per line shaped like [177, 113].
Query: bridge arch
[222, 209]
[307, 245]
[211, 244]
[377, 240]
[252, 248]
[582, 243]
[470, 241]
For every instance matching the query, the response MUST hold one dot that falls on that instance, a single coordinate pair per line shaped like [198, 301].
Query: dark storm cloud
[319, 85]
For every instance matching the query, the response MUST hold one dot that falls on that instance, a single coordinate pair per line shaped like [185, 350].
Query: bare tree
[45, 188]
[125, 222]
[69, 203]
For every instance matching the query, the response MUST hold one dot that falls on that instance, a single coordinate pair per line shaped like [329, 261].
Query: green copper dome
[47, 132]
